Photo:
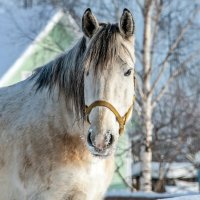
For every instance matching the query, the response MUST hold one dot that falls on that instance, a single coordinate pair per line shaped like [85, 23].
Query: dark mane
[67, 71]
[103, 49]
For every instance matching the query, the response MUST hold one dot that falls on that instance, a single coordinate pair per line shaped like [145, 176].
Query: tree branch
[140, 6]
[138, 86]
[163, 64]
[159, 7]
[123, 179]
[176, 73]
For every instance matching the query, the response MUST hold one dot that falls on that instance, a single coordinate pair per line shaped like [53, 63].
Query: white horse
[48, 148]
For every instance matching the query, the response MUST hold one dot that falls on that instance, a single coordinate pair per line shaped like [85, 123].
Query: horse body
[64, 161]
[48, 151]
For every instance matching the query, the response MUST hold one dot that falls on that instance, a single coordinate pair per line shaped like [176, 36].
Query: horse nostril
[109, 139]
[89, 138]
[98, 142]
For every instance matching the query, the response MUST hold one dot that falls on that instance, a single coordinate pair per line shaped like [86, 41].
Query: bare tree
[164, 55]
[176, 129]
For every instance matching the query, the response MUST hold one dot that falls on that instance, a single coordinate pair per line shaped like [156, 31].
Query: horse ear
[89, 23]
[127, 24]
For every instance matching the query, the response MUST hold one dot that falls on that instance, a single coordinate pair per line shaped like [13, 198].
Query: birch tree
[146, 153]
[164, 55]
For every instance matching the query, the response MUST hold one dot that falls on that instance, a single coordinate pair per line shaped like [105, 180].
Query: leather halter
[120, 119]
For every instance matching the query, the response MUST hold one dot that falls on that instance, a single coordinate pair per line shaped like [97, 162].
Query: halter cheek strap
[120, 119]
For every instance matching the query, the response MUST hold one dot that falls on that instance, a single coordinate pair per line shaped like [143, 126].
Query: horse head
[108, 80]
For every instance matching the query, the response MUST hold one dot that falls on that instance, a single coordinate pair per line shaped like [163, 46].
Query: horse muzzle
[100, 145]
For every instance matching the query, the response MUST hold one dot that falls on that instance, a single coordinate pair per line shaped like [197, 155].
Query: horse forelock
[67, 71]
[103, 49]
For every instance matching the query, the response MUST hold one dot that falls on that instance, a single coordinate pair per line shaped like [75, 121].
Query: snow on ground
[184, 190]
[189, 197]
[124, 193]
[182, 187]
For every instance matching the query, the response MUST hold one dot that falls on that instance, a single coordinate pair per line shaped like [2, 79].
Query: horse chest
[94, 179]
[96, 173]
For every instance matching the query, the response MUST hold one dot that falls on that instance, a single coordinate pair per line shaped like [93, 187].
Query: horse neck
[66, 112]
[50, 108]
[61, 109]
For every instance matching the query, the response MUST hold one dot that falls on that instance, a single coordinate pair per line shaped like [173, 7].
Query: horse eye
[128, 72]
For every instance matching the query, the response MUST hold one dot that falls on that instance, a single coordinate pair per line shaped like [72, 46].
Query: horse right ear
[89, 23]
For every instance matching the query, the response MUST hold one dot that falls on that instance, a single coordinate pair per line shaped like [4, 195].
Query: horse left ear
[127, 24]
[89, 23]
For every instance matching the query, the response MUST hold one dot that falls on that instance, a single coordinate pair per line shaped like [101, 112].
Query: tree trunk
[28, 3]
[146, 151]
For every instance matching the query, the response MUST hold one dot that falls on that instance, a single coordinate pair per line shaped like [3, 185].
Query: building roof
[32, 36]
[18, 29]
[171, 170]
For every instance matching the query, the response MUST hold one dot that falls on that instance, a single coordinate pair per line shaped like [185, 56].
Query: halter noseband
[121, 119]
